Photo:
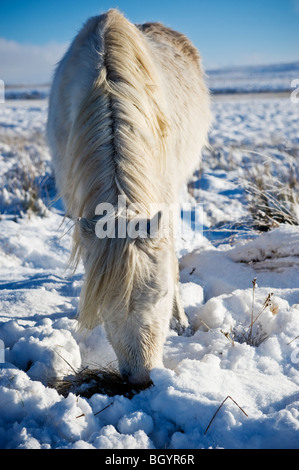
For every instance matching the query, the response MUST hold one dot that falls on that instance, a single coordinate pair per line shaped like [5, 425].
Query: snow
[39, 301]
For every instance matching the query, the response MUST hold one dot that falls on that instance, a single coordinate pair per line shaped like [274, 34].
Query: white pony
[128, 116]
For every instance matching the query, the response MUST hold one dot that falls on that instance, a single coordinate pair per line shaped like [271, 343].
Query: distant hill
[255, 78]
[242, 79]
[27, 92]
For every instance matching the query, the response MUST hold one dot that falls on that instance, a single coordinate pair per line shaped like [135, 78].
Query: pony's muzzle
[138, 379]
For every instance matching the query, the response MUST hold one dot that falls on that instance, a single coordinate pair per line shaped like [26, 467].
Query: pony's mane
[117, 146]
[117, 143]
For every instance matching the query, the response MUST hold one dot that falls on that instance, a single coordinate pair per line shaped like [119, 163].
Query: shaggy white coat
[128, 115]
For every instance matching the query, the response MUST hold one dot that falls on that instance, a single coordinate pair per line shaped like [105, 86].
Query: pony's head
[129, 286]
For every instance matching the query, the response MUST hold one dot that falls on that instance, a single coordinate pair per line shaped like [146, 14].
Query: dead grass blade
[218, 409]
[70, 366]
[296, 337]
[97, 413]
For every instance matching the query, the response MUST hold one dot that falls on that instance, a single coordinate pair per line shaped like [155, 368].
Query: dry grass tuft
[87, 382]
[253, 334]
[268, 177]
[273, 192]
[22, 183]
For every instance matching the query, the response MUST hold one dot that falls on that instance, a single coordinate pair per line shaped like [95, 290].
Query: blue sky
[34, 33]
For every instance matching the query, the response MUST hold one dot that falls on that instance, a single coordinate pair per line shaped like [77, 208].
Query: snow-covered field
[39, 300]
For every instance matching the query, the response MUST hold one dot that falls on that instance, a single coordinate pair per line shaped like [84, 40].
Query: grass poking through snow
[87, 382]
[253, 334]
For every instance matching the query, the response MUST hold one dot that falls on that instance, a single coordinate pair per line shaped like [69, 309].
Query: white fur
[128, 115]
